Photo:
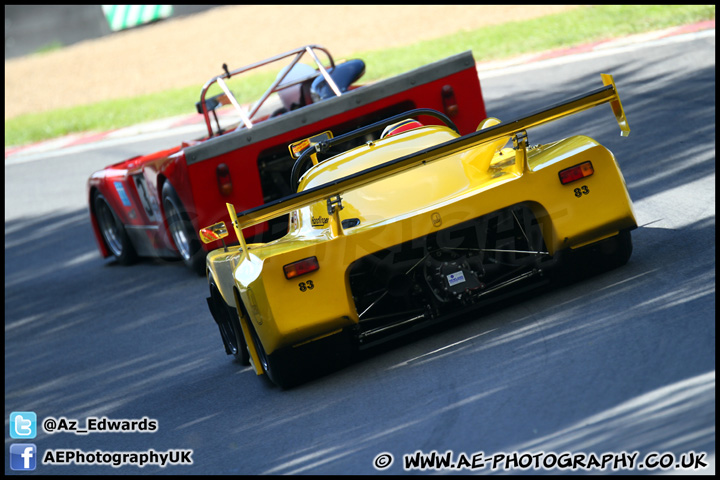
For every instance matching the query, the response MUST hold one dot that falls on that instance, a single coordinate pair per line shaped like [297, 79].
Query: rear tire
[292, 366]
[182, 231]
[609, 253]
[229, 325]
[113, 231]
[618, 249]
[285, 372]
[242, 355]
[597, 258]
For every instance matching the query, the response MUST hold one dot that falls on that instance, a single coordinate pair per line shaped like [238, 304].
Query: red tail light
[224, 180]
[449, 102]
[301, 267]
[576, 173]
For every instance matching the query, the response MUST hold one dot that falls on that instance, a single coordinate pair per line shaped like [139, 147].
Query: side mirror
[213, 233]
[213, 102]
[297, 148]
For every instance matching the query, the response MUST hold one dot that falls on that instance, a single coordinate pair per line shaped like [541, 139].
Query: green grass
[50, 47]
[585, 24]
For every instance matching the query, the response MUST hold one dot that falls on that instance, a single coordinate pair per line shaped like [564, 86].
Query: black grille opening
[449, 269]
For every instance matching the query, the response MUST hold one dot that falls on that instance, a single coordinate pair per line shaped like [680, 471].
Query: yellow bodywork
[454, 182]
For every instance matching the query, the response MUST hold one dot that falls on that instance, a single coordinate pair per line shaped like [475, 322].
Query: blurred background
[96, 68]
[33, 28]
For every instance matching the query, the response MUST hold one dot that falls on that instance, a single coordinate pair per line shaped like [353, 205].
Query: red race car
[154, 205]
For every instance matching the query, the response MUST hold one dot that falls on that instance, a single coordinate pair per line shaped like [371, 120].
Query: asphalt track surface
[622, 362]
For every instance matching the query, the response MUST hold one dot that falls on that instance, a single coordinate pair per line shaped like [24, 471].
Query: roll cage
[205, 106]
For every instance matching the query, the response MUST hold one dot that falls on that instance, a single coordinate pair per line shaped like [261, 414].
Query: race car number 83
[584, 190]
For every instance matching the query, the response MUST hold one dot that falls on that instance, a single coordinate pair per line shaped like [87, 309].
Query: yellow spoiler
[331, 191]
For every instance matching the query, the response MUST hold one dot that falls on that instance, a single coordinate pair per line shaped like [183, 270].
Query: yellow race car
[404, 223]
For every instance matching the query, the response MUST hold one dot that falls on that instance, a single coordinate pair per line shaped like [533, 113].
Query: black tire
[618, 249]
[229, 326]
[610, 253]
[289, 366]
[113, 231]
[283, 372]
[242, 355]
[182, 232]
[597, 258]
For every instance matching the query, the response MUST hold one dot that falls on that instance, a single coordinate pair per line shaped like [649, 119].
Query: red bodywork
[133, 187]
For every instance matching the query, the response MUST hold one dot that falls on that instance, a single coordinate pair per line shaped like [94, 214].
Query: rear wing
[331, 191]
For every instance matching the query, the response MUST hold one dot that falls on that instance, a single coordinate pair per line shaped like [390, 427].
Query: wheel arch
[102, 246]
